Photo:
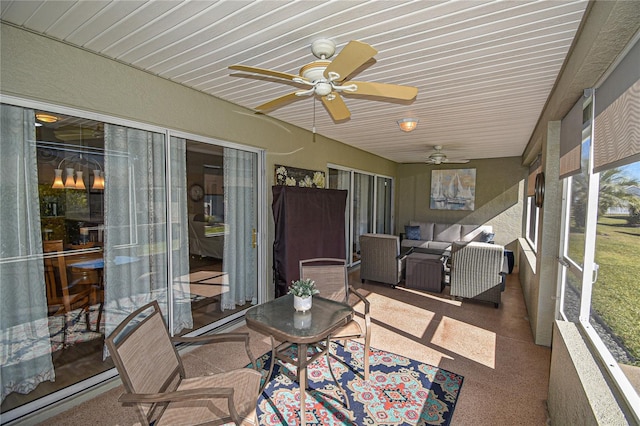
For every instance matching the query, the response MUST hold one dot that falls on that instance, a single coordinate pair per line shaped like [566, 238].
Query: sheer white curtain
[25, 359]
[136, 269]
[240, 197]
[182, 318]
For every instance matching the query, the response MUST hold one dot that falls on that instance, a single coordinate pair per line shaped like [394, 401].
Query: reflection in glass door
[368, 209]
[384, 201]
[362, 210]
[222, 230]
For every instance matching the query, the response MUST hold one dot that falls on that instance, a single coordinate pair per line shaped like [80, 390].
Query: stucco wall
[499, 197]
[578, 392]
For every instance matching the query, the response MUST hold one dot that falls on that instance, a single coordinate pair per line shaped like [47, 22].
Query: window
[99, 229]
[600, 257]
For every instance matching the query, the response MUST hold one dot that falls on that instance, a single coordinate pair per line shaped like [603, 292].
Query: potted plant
[302, 291]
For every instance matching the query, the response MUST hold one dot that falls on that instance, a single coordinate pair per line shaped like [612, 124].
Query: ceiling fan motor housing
[323, 48]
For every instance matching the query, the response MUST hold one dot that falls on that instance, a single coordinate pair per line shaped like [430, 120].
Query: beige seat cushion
[245, 381]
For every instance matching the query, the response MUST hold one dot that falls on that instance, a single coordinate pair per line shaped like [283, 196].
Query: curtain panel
[136, 247]
[25, 360]
[240, 198]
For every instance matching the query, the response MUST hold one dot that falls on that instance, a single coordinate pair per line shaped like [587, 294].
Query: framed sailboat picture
[453, 189]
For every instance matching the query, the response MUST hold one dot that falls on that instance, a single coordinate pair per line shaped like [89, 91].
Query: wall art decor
[293, 176]
[453, 189]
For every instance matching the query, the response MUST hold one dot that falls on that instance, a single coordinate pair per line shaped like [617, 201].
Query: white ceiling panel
[483, 69]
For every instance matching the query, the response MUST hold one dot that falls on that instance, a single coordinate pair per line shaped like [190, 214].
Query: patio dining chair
[155, 382]
[330, 276]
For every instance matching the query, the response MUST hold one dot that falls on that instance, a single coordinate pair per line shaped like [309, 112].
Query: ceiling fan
[328, 79]
[438, 157]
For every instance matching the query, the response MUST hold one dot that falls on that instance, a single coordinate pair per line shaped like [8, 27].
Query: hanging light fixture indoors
[408, 124]
[98, 179]
[70, 183]
[78, 182]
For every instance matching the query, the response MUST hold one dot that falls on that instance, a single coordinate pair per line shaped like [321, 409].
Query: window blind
[616, 140]
[571, 140]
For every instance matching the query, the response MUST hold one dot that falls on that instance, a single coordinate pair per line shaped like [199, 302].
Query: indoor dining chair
[63, 295]
[330, 277]
[155, 382]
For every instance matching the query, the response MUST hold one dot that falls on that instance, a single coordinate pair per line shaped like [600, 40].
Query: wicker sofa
[380, 258]
[441, 235]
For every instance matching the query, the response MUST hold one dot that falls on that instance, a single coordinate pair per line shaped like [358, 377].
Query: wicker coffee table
[425, 272]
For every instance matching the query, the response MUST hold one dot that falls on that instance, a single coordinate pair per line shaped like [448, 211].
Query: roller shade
[571, 140]
[616, 140]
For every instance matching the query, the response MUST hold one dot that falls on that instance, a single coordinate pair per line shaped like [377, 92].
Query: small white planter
[302, 304]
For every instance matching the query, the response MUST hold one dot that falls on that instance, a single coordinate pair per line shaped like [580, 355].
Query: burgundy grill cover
[309, 222]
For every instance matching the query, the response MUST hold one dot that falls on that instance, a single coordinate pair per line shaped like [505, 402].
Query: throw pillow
[486, 237]
[412, 232]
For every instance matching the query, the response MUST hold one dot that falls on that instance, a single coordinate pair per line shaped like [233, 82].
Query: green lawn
[616, 294]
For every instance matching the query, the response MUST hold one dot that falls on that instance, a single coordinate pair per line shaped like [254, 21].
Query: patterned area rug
[400, 391]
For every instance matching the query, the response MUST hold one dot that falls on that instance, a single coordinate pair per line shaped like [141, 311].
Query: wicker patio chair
[380, 259]
[330, 276]
[154, 377]
[476, 271]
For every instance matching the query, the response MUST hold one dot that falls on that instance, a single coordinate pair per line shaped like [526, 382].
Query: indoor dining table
[279, 320]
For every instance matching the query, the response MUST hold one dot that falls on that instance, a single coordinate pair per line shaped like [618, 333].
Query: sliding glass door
[369, 206]
[222, 216]
[106, 217]
[384, 202]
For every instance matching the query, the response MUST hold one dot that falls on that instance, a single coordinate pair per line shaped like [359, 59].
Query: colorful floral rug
[400, 391]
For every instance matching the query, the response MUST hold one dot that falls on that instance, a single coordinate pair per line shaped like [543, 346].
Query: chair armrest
[367, 304]
[364, 300]
[219, 338]
[144, 398]
[401, 256]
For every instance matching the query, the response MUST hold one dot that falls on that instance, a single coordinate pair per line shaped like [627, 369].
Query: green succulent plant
[303, 288]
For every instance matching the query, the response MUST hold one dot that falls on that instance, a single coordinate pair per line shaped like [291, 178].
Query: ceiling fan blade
[456, 161]
[336, 107]
[384, 90]
[263, 71]
[352, 56]
[278, 102]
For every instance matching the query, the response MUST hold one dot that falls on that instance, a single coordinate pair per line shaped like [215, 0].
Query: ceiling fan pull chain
[313, 128]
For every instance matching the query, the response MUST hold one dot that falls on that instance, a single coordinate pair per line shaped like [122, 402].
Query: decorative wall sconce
[408, 124]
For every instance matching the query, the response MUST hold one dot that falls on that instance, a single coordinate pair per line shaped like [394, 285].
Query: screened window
[600, 256]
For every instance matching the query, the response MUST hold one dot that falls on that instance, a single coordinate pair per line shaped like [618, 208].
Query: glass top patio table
[279, 319]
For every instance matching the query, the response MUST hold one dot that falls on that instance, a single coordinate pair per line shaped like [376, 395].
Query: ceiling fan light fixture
[408, 124]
